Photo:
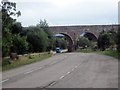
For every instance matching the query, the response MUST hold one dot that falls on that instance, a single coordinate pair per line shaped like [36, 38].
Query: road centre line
[76, 66]
[32, 70]
[29, 72]
[61, 77]
[4, 80]
[73, 69]
[52, 83]
[68, 73]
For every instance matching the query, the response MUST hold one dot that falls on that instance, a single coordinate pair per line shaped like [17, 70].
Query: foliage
[103, 41]
[60, 42]
[113, 37]
[112, 53]
[83, 42]
[44, 25]
[6, 42]
[8, 9]
[37, 39]
[107, 39]
[24, 60]
[51, 44]
[16, 28]
[63, 44]
[118, 39]
[19, 45]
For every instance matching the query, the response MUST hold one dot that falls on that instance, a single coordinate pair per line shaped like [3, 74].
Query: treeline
[21, 40]
[107, 40]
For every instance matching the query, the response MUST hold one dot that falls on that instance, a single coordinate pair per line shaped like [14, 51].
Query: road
[68, 70]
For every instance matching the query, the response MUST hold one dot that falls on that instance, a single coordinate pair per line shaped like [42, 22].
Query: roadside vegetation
[18, 40]
[86, 50]
[112, 53]
[108, 43]
[24, 60]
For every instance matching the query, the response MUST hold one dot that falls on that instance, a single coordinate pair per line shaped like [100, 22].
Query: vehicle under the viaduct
[72, 33]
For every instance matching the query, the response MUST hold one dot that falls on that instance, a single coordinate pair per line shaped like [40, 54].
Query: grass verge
[24, 60]
[88, 50]
[114, 54]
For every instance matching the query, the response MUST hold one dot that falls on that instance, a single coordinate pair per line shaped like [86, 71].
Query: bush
[6, 42]
[107, 39]
[38, 40]
[20, 46]
[83, 42]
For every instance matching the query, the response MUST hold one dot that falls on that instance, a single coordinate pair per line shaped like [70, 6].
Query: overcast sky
[68, 12]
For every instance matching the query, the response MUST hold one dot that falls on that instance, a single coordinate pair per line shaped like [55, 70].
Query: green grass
[114, 54]
[88, 50]
[24, 60]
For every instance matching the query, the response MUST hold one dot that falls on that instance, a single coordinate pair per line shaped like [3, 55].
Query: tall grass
[24, 60]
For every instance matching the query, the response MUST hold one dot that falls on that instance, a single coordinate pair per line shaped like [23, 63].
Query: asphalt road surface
[68, 70]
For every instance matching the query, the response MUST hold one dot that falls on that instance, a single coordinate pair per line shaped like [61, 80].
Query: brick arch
[74, 31]
[69, 39]
[86, 33]
[90, 35]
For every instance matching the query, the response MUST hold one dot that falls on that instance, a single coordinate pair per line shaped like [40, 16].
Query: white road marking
[4, 80]
[29, 72]
[39, 67]
[61, 77]
[32, 70]
[52, 83]
[76, 66]
[68, 73]
[73, 69]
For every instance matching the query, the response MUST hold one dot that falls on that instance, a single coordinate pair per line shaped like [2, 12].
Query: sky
[68, 12]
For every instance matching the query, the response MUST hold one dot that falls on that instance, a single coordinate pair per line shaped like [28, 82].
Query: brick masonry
[73, 32]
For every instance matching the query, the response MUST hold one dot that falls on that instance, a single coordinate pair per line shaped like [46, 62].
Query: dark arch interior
[90, 36]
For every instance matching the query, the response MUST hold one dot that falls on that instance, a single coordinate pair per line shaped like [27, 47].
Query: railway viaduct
[73, 32]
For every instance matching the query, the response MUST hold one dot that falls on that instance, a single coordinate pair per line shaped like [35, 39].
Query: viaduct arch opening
[70, 42]
[72, 33]
[90, 36]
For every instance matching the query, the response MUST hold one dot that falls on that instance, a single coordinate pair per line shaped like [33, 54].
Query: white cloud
[65, 12]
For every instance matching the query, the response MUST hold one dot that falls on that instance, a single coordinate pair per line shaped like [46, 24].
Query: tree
[16, 28]
[60, 42]
[103, 41]
[51, 44]
[83, 42]
[38, 40]
[118, 39]
[113, 38]
[6, 42]
[107, 39]
[19, 45]
[8, 9]
[63, 44]
[44, 25]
